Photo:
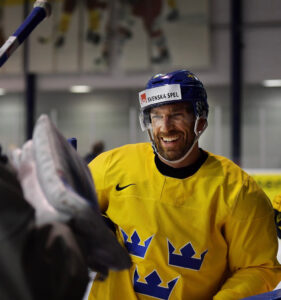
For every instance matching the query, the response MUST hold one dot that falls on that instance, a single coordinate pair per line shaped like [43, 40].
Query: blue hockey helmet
[175, 87]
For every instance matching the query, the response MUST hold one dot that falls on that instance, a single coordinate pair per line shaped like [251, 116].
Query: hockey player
[149, 12]
[93, 8]
[173, 13]
[195, 224]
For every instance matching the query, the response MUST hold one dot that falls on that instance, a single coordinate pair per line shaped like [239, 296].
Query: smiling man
[173, 132]
[195, 224]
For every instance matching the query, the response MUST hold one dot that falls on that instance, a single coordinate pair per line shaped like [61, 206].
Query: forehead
[170, 108]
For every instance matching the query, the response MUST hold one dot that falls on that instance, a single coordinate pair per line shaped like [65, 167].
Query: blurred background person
[97, 148]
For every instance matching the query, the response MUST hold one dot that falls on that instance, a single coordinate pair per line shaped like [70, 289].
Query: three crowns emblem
[134, 247]
[185, 259]
[153, 283]
[151, 287]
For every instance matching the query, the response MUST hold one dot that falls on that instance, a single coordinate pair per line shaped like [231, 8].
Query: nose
[166, 124]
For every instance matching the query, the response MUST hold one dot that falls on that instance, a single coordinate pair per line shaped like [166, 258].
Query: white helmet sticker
[166, 93]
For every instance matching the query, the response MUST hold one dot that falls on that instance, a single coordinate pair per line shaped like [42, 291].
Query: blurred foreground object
[36, 262]
[57, 183]
[51, 230]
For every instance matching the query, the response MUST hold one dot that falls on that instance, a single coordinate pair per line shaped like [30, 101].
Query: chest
[175, 209]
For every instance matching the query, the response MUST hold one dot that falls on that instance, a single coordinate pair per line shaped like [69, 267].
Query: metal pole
[30, 84]
[30, 99]
[26, 42]
[236, 77]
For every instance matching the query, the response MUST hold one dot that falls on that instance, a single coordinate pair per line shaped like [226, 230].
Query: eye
[177, 116]
[156, 117]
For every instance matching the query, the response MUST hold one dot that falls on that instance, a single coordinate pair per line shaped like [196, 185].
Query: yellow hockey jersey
[208, 236]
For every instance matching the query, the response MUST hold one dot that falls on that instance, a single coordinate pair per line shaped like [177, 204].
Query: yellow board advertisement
[269, 182]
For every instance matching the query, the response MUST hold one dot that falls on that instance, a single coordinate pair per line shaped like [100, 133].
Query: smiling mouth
[170, 139]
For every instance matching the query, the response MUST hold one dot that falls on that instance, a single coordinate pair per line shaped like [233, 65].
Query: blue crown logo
[151, 287]
[134, 247]
[186, 259]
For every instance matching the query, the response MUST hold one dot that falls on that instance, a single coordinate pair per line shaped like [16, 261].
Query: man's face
[173, 129]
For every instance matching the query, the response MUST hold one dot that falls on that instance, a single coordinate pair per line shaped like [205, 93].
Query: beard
[174, 151]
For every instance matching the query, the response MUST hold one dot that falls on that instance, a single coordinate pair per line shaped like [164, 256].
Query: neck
[184, 172]
[192, 157]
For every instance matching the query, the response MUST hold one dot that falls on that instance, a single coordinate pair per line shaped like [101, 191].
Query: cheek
[155, 129]
[154, 132]
[188, 127]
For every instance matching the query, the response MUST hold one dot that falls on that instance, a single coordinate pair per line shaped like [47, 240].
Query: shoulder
[225, 169]
[242, 193]
[127, 154]
[131, 149]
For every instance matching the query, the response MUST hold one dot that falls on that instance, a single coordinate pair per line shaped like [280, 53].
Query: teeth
[170, 139]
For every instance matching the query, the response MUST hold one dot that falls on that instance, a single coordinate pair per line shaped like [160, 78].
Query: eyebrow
[171, 111]
[175, 109]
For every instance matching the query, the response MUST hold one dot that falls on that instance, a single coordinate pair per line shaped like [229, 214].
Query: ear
[201, 125]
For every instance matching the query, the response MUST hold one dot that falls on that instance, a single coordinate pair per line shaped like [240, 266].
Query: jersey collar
[180, 173]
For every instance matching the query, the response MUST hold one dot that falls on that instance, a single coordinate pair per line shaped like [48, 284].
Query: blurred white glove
[58, 184]
[24, 163]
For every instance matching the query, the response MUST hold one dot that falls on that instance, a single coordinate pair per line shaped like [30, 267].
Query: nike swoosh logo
[120, 188]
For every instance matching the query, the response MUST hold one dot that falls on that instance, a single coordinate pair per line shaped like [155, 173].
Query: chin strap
[197, 136]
